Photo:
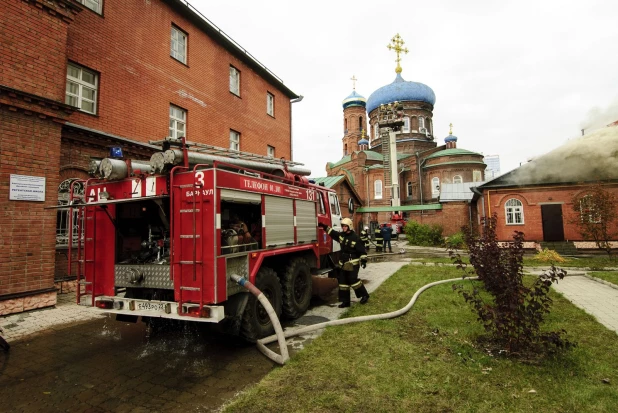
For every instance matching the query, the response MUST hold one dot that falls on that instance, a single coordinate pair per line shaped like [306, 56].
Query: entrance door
[553, 228]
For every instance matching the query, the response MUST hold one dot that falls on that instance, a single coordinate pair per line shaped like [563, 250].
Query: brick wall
[130, 48]
[30, 146]
[452, 217]
[532, 200]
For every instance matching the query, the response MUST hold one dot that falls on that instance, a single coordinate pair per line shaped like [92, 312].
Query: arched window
[377, 187]
[435, 187]
[376, 131]
[514, 212]
[345, 125]
[409, 189]
[457, 179]
[406, 124]
[62, 216]
[345, 149]
[421, 123]
[429, 126]
[360, 123]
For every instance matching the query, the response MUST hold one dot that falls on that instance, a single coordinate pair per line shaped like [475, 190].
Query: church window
[409, 189]
[421, 123]
[377, 186]
[514, 212]
[435, 187]
[360, 123]
[457, 179]
[429, 126]
[477, 176]
[406, 124]
[345, 125]
[345, 149]
[376, 129]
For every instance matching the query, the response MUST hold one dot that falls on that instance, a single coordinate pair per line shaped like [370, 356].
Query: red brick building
[80, 76]
[536, 198]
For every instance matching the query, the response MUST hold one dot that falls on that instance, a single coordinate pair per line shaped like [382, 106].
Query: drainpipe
[298, 99]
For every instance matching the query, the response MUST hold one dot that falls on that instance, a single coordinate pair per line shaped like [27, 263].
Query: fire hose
[281, 335]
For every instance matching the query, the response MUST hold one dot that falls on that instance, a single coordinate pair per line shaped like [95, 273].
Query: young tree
[596, 216]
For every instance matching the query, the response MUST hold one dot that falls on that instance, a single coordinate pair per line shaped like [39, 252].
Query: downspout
[298, 99]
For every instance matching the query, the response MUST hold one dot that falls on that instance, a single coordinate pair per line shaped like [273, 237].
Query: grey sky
[516, 78]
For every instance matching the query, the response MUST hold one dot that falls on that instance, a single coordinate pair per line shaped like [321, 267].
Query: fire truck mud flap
[153, 308]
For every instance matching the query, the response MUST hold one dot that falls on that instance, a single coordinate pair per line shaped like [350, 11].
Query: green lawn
[427, 361]
[609, 276]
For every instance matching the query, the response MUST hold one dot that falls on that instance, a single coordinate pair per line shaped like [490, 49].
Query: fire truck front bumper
[163, 309]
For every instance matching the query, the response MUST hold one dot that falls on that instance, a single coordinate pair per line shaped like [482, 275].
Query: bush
[423, 235]
[547, 255]
[456, 241]
[513, 313]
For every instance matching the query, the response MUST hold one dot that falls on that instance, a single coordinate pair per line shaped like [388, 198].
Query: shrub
[456, 241]
[547, 255]
[513, 313]
[423, 235]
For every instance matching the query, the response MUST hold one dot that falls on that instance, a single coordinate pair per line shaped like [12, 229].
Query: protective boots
[361, 292]
[344, 297]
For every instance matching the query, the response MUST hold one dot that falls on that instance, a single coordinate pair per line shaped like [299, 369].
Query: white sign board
[27, 188]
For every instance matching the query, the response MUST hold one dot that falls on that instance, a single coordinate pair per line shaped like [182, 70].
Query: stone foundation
[19, 305]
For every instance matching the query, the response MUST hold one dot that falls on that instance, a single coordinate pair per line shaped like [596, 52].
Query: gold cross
[353, 79]
[450, 132]
[396, 43]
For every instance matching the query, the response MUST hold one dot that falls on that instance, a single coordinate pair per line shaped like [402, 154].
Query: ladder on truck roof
[219, 151]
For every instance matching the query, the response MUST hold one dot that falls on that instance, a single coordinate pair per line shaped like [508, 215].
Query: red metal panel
[100, 249]
[226, 179]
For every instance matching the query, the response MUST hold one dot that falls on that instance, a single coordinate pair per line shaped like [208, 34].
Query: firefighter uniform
[364, 236]
[378, 239]
[351, 258]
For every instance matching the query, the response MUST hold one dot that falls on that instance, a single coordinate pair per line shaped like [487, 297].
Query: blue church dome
[450, 138]
[400, 90]
[354, 100]
[363, 142]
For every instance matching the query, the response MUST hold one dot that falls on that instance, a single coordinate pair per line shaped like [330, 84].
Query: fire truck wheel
[296, 288]
[255, 320]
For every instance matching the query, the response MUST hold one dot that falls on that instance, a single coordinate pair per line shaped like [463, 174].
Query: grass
[609, 276]
[427, 361]
[596, 262]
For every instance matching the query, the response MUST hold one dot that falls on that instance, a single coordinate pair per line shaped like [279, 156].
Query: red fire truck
[162, 242]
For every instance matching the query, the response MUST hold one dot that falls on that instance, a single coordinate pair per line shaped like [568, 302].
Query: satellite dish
[350, 205]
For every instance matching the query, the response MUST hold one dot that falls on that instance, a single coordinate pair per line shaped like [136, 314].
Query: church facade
[422, 170]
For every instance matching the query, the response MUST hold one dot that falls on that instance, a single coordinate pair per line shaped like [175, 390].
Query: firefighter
[352, 257]
[386, 236]
[364, 236]
[378, 238]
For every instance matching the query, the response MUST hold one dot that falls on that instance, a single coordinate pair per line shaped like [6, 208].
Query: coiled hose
[281, 335]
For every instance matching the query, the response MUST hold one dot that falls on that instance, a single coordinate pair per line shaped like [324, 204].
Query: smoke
[598, 118]
[589, 158]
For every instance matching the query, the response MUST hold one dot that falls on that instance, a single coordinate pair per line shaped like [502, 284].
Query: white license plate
[150, 306]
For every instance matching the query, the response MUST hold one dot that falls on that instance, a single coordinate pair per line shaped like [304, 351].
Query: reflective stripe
[328, 230]
[344, 287]
[353, 243]
[357, 284]
[363, 257]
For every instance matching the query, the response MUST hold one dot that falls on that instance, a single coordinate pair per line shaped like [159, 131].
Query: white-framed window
[421, 123]
[477, 176]
[435, 187]
[588, 211]
[376, 131]
[457, 179]
[406, 125]
[178, 122]
[270, 104]
[234, 140]
[377, 189]
[179, 45]
[270, 151]
[63, 229]
[234, 81]
[81, 91]
[514, 211]
[409, 189]
[94, 5]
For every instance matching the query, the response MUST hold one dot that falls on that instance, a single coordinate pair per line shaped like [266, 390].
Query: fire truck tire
[296, 288]
[255, 320]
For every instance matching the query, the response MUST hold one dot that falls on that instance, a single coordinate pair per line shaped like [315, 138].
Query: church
[396, 169]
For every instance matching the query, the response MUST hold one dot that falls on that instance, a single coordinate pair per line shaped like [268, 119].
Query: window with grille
[94, 5]
[270, 104]
[377, 187]
[234, 81]
[457, 179]
[514, 212]
[63, 224]
[81, 90]
[179, 45]
[588, 210]
[409, 189]
[178, 122]
[435, 187]
[406, 124]
[234, 140]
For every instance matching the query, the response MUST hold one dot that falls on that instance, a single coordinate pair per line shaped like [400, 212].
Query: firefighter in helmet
[378, 238]
[364, 236]
[352, 257]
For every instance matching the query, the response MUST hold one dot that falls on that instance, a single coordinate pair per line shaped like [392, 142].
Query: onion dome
[450, 137]
[363, 142]
[401, 91]
[354, 100]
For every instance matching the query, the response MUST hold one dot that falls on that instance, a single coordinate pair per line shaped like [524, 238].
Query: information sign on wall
[27, 188]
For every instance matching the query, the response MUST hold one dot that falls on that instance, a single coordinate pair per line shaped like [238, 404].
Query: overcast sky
[516, 78]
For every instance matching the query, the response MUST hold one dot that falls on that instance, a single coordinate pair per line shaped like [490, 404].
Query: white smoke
[598, 118]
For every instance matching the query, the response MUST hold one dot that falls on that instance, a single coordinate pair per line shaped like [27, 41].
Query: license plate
[150, 306]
